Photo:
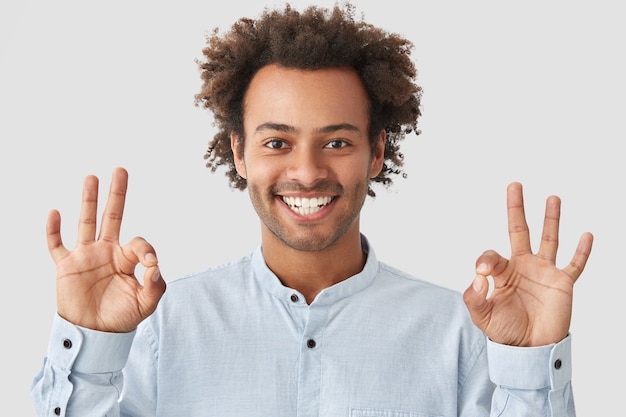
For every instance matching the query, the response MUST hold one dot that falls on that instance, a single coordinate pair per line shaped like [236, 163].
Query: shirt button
[57, 411]
[558, 364]
[311, 343]
[294, 298]
[67, 344]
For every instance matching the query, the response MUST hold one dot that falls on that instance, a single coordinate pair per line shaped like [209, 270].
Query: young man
[310, 108]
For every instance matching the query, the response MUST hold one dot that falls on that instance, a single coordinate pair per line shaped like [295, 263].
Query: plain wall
[513, 91]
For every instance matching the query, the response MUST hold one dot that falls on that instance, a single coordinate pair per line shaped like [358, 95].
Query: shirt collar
[328, 295]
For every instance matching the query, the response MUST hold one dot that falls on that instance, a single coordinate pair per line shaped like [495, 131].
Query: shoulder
[389, 275]
[236, 267]
[223, 279]
[419, 297]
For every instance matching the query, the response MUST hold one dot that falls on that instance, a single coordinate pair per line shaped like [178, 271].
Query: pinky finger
[53, 236]
[579, 260]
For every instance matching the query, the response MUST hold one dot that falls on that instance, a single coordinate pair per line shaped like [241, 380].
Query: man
[310, 108]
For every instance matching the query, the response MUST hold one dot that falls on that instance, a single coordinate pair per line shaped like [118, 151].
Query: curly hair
[315, 38]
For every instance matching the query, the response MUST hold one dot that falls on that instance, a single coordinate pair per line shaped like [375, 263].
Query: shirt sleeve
[532, 380]
[82, 372]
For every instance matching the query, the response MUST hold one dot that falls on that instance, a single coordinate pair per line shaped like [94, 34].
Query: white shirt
[233, 341]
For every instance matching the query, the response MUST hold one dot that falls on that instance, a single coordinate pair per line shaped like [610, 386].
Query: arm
[529, 310]
[100, 303]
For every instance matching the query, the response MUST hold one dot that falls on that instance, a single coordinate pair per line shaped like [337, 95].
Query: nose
[307, 165]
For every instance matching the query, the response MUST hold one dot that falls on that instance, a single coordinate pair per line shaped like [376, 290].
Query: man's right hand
[96, 284]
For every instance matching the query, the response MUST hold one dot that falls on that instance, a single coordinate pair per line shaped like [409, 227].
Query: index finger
[114, 210]
[518, 228]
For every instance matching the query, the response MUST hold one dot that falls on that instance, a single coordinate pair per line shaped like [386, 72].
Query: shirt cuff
[535, 367]
[87, 351]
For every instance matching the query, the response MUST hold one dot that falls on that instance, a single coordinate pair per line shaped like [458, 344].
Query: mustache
[323, 186]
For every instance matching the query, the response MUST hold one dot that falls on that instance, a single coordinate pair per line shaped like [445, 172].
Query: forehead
[306, 98]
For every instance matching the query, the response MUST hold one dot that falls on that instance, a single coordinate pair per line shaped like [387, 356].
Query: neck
[310, 272]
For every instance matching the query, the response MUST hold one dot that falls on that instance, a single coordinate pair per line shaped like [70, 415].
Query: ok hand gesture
[531, 302]
[96, 285]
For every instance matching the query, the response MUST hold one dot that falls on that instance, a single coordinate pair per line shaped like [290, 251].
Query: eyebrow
[281, 127]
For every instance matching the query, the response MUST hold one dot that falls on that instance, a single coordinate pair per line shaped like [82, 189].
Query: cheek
[260, 171]
[355, 171]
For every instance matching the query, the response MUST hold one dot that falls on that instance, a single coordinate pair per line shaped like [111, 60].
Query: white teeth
[304, 206]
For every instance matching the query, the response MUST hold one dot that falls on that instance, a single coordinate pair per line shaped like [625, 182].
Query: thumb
[153, 286]
[153, 283]
[475, 298]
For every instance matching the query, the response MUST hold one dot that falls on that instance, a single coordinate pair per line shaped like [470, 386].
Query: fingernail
[482, 269]
[150, 258]
[478, 283]
[156, 275]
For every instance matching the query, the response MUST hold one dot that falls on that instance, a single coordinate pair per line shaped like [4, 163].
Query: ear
[237, 149]
[378, 154]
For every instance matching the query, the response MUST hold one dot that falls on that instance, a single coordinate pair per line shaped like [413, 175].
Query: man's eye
[276, 144]
[336, 144]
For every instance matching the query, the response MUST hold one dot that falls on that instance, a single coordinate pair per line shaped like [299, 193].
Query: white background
[513, 91]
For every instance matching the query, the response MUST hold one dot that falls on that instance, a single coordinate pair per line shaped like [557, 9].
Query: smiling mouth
[304, 206]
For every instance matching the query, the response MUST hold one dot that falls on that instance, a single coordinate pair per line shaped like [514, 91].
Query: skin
[531, 303]
[305, 136]
[96, 285]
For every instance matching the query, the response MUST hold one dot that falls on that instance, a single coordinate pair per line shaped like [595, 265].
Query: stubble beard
[313, 240]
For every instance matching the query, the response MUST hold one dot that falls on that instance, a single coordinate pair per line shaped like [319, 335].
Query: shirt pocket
[374, 412]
